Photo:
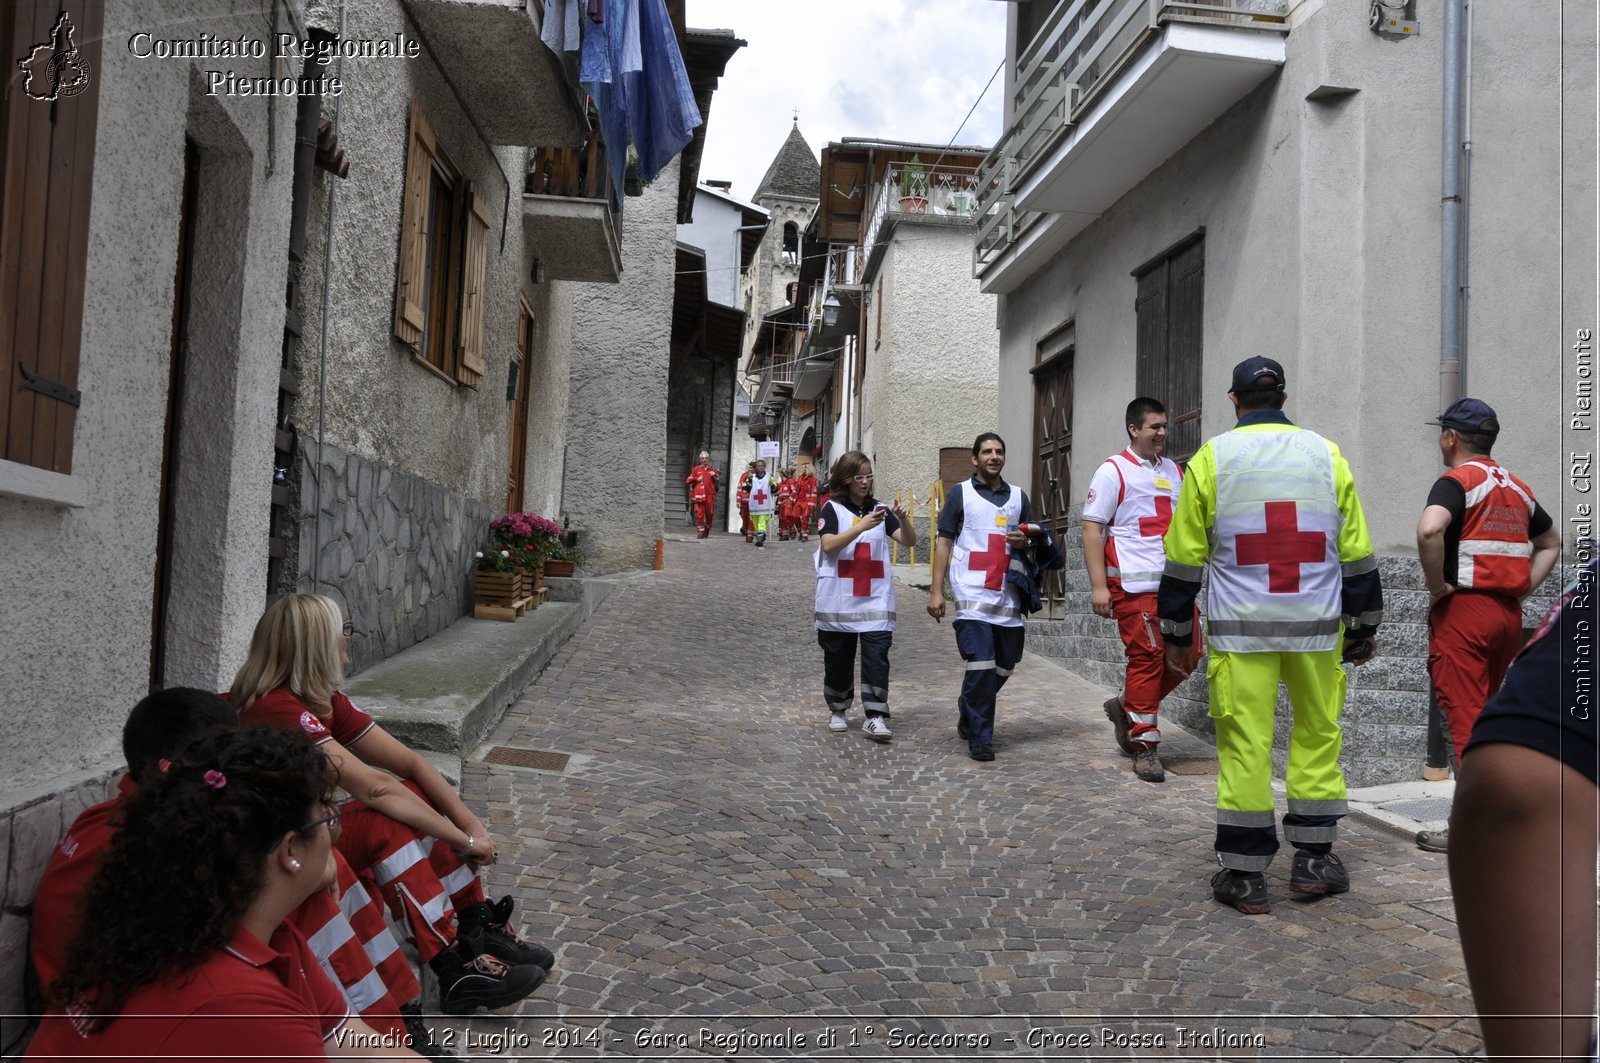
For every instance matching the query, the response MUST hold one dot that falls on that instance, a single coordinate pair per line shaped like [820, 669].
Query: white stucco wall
[1322, 250]
[617, 412]
[715, 230]
[76, 584]
[933, 382]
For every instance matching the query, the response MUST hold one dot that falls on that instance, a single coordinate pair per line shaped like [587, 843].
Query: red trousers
[745, 527]
[344, 938]
[1147, 680]
[703, 508]
[422, 880]
[1472, 637]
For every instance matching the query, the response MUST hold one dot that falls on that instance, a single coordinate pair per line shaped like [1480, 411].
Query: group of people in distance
[789, 495]
[225, 900]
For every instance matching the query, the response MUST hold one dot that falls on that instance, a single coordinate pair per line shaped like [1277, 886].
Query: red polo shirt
[282, 708]
[57, 905]
[249, 1000]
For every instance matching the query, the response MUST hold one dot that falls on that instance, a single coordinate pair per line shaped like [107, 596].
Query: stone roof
[795, 171]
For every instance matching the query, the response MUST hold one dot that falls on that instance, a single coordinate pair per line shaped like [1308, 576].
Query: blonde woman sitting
[414, 839]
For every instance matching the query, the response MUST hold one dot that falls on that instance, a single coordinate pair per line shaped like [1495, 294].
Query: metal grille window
[1169, 307]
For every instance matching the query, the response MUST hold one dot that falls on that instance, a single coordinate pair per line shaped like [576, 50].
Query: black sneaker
[981, 752]
[471, 978]
[1119, 723]
[1244, 890]
[422, 1041]
[1318, 873]
[499, 939]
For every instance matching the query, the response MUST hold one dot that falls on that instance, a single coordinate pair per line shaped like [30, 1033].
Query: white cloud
[887, 68]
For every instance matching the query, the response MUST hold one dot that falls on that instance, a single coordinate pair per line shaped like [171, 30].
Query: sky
[895, 69]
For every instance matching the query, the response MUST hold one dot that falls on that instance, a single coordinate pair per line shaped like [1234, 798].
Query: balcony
[1108, 91]
[519, 91]
[940, 194]
[568, 223]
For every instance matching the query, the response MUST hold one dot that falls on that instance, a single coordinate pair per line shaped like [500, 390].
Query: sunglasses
[331, 819]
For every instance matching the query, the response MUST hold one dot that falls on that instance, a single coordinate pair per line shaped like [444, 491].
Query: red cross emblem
[760, 497]
[1499, 476]
[991, 562]
[861, 569]
[1283, 548]
[1156, 526]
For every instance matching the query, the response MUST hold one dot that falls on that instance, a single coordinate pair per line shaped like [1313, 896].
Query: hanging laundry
[632, 68]
[561, 32]
[596, 12]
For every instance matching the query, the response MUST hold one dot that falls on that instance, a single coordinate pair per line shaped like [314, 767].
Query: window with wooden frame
[439, 292]
[47, 138]
[1169, 307]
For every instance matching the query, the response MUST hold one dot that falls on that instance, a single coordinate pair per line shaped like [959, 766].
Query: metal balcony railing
[943, 190]
[1077, 52]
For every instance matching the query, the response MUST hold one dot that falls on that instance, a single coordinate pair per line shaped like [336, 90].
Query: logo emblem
[311, 725]
[55, 69]
[1091, 494]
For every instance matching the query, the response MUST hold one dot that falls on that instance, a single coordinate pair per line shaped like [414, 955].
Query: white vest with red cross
[855, 591]
[761, 494]
[1275, 574]
[1494, 553]
[980, 558]
[1134, 554]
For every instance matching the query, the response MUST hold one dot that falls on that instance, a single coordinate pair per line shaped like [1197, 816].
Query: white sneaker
[877, 729]
[838, 723]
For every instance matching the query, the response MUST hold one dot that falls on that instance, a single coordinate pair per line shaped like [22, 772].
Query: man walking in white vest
[763, 500]
[1130, 503]
[1271, 510]
[980, 530]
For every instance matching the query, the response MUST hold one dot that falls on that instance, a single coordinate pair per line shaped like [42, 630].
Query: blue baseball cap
[1469, 415]
[1247, 375]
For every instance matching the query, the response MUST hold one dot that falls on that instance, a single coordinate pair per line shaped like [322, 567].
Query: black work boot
[422, 1042]
[471, 978]
[1119, 723]
[1318, 873]
[499, 940]
[1244, 890]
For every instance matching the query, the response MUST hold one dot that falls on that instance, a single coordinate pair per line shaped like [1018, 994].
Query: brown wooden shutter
[410, 296]
[46, 176]
[470, 364]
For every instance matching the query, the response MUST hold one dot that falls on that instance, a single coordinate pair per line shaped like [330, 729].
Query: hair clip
[215, 779]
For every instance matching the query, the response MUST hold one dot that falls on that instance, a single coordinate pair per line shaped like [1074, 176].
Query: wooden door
[1052, 458]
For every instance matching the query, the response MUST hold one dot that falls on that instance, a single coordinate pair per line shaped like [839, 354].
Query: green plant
[563, 552]
[914, 179]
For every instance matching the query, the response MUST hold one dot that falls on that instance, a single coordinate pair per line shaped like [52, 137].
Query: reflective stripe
[1233, 817]
[1495, 546]
[845, 618]
[878, 692]
[1287, 628]
[1153, 736]
[1336, 806]
[829, 692]
[1372, 619]
[1190, 573]
[1173, 627]
[431, 912]
[1134, 577]
[355, 898]
[979, 666]
[366, 992]
[985, 607]
[329, 937]
[399, 862]
[1361, 567]
[1240, 862]
[1329, 833]
[380, 948]
[1002, 671]
[459, 879]
[1146, 718]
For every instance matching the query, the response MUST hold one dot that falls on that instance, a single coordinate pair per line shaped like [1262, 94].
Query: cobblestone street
[711, 858]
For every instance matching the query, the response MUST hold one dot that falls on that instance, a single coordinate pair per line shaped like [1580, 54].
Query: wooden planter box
[500, 595]
[558, 568]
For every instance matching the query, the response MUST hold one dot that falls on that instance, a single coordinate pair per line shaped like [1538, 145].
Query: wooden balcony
[568, 221]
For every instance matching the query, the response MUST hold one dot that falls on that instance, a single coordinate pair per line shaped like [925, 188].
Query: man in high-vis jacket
[1271, 509]
[1484, 543]
[1130, 503]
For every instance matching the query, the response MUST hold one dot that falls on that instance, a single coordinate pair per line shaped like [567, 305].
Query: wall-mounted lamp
[830, 311]
[536, 274]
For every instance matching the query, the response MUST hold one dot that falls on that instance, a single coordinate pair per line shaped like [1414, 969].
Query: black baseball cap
[1248, 374]
[1469, 415]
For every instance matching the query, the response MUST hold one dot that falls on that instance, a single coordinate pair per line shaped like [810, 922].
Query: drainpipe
[322, 351]
[1452, 216]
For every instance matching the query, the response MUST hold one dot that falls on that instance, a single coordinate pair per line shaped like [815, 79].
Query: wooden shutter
[410, 296]
[1185, 351]
[46, 176]
[470, 365]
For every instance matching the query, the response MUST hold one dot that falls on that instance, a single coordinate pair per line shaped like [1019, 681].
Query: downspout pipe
[1452, 215]
[307, 118]
[322, 343]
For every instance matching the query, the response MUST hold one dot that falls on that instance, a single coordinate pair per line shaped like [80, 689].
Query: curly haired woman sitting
[184, 951]
[414, 839]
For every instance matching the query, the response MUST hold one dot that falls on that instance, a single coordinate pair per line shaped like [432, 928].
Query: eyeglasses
[348, 629]
[331, 819]
[865, 478]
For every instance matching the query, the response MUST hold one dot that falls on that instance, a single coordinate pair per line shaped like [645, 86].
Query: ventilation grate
[538, 759]
[1190, 765]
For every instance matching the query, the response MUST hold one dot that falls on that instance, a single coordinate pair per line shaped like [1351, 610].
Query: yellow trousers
[1244, 698]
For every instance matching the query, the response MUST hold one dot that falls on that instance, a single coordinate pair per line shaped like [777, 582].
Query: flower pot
[497, 588]
[913, 204]
[557, 568]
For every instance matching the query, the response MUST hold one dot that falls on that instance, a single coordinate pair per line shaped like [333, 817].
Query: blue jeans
[991, 652]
